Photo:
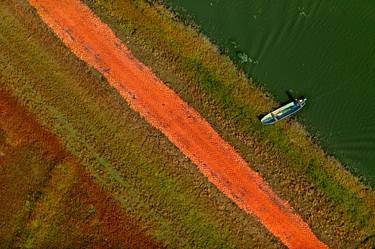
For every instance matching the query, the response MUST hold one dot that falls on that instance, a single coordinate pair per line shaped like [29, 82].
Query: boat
[284, 111]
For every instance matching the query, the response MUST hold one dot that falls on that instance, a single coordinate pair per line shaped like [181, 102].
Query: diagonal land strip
[95, 43]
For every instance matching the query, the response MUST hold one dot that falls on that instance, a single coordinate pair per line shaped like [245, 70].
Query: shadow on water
[290, 95]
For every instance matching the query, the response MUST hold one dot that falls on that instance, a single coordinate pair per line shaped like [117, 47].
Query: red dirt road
[95, 43]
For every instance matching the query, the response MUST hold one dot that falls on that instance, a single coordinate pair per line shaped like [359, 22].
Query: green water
[324, 50]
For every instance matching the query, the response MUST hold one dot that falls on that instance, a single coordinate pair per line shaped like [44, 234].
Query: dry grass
[148, 176]
[50, 201]
[339, 208]
[154, 183]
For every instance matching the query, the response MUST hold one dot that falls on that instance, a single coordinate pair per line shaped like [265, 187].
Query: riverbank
[94, 42]
[169, 200]
[135, 166]
[287, 45]
[317, 186]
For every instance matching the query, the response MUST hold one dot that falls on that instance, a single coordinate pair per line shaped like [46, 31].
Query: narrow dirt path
[95, 43]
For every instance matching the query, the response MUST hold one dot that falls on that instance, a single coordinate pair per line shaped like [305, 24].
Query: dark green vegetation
[156, 185]
[339, 209]
[318, 48]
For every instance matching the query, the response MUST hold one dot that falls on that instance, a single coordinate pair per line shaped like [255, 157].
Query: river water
[324, 50]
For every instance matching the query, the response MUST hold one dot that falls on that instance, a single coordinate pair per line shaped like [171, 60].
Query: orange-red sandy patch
[94, 42]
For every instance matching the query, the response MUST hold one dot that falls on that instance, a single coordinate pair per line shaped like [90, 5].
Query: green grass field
[152, 181]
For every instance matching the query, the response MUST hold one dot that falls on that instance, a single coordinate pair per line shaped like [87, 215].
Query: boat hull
[283, 112]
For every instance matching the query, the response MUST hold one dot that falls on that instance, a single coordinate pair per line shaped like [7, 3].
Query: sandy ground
[95, 43]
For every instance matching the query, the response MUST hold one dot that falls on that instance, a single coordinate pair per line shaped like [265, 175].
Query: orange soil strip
[95, 43]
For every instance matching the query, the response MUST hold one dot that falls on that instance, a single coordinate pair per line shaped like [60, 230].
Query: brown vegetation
[338, 208]
[152, 180]
[28, 153]
[47, 199]
[96, 44]
[146, 173]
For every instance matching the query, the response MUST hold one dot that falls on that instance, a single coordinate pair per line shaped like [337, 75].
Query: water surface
[324, 50]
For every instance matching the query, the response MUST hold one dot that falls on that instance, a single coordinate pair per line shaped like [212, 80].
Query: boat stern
[268, 119]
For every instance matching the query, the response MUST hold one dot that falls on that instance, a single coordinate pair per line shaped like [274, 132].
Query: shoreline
[181, 124]
[233, 53]
[182, 16]
[327, 176]
[138, 167]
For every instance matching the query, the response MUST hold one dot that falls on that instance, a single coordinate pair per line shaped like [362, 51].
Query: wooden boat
[284, 111]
